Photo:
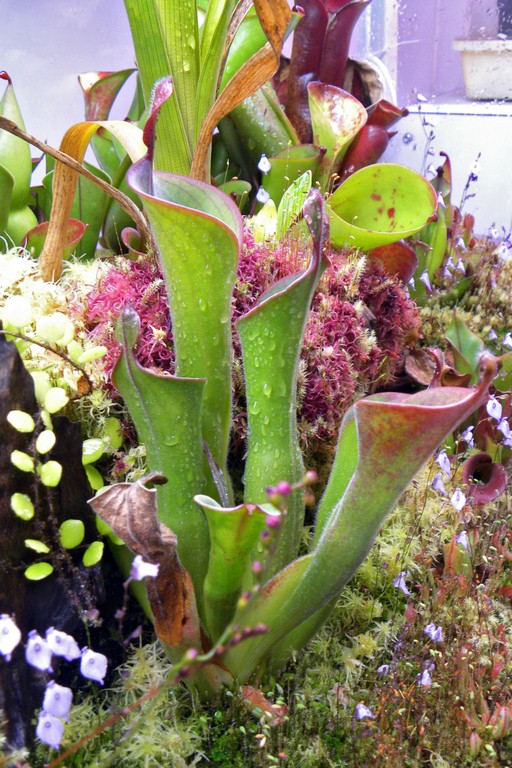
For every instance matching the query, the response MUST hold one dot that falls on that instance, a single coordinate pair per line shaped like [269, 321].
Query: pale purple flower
[467, 436]
[504, 428]
[141, 569]
[10, 636]
[440, 200]
[38, 653]
[62, 644]
[412, 284]
[424, 678]
[458, 500]
[383, 669]
[49, 729]
[503, 251]
[444, 462]
[399, 583]
[57, 700]
[463, 540]
[425, 279]
[437, 483]
[507, 339]
[362, 711]
[264, 164]
[460, 266]
[494, 408]
[493, 335]
[262, 196]
[435, 633]
[93, 665]
[421, 97]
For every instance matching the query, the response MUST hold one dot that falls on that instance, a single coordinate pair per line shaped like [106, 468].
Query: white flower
[362, 711]
[507, 339]
[49, 729]
[262, 196]
[264, 164]
[460, 267]
[494, 408]
[493, 335]
[93, 665]
[467, 436]
[10, 636]
[463, 540]
[62, 644]
[57, 700]
[383, 669]
[38, 652]
[458, 500]
[141, 569]
[444, 462]
[425, 279]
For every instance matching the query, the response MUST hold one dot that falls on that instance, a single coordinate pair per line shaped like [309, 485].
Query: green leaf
[234, 533]
[37, 546]
[466, 346]
[22, 506]
[71, 533]
[93, 554]
[38, 571]
[380, 204]
[287, 166]
[290, 207]
[396, 435]
[166, 412]
[92, 450]
[199, 233]
[271, 337]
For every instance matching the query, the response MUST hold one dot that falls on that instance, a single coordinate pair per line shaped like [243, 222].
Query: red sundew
[338, 360]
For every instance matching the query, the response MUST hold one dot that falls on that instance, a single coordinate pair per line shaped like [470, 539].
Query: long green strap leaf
[166, 412]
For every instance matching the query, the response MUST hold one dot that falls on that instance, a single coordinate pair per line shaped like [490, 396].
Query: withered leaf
[130, 510]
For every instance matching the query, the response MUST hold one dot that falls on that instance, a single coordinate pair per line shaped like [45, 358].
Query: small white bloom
[383, 669]
[10, 636]
[62, 644]
[493, 335]
[444, 462]
[460, 267]
[494, 408]
[57, 700]
[463, 540]
[421, 97]
[458, 500]
[467, 436]
[93, 665]
[262, 196]
[38, 652]
[264, 164]
[507, 339]
[504, 427]
[503, 252]
[362, 711]
[49, 729]
[424, 278]
[440, 200]
[141, 570]
[412, 284]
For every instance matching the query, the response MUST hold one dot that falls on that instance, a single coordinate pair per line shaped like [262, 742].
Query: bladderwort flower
[494, 409]
[93, 665]
[425, 279]
[424, 678]
[435, 633]
[362, 711]
[62, 644]
[141, 569]
[264, 164]
[444, 462]
[10, 636]
[492, 335]
[504, 428]
[399, 583]
[507, 339]
[49, 729]
[38, 653]
[262, 196]
[458, 500]
[57, 700]
[467, 436]
[463, 539]
[437, 483]
[383, 669]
